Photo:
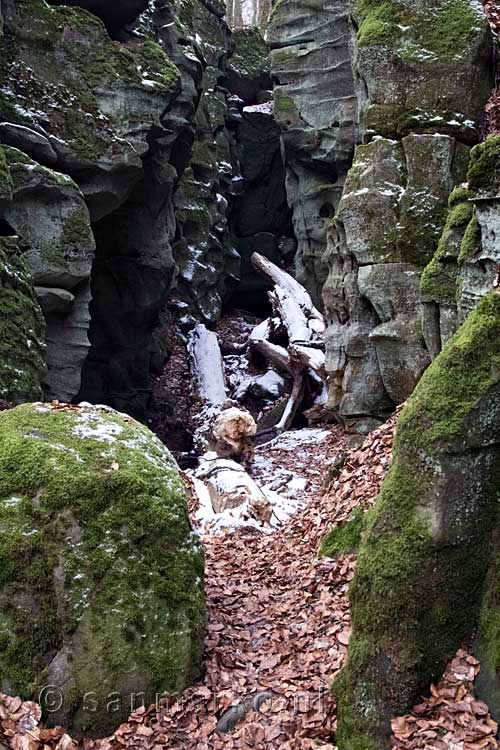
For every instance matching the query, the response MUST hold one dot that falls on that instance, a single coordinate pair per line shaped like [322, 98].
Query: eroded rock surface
[416, 135]
[427, 553]
[315, 105]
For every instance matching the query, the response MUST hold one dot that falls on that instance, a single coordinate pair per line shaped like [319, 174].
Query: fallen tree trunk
[230, 486]
[297, 320]
[290, 286]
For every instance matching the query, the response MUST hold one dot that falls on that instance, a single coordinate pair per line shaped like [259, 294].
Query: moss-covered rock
[101, 575]
[405, 50]
[439, 279]
[94, 98]
[345, 537]
[251, 53]
[22, 343]
[48, 213]
[417, 591]
[484, 168]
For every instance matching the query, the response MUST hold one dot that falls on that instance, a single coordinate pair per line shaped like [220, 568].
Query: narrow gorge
[249, 374]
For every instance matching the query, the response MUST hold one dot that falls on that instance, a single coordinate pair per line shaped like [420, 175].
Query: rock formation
[97, 558]
[431, 541]
[315, 105]
[114, 15]
[416, 135]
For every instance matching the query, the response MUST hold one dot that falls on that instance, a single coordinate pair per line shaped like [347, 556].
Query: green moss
[5, 178]
[417, 589]
[251, 53]
[449, 390]
[77, 229]
[64, 59]
[93, 523]
[346, 537]
[439, 279]
[471, 240]
[22, 347]
[484, 167]
[442, 32]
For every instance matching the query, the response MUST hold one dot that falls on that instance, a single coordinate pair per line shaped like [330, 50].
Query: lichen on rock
[101, 575]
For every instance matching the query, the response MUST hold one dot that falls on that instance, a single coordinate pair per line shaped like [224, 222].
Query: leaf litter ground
[278, 629]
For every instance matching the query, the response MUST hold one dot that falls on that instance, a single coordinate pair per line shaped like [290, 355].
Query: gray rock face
[260, 218]
[134, 131]
[48, 213]
[388, 223]
[425, 67]
[316, 108]
[394, 206]
[465, 266]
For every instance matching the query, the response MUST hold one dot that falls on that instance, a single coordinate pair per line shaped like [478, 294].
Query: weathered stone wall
[421, 85]
[122, 169]
[316, 108]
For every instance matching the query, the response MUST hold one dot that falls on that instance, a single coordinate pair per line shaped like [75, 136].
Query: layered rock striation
[316, 108]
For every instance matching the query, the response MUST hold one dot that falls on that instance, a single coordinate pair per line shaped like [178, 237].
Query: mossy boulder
[101, 574]
[405, 50]
[416, 596]
[22, 343]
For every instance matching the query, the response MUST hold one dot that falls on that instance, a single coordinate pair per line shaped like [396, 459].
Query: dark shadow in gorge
[131, 280]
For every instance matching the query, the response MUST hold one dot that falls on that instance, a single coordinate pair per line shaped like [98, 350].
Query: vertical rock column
[315, 106]
[418, 590]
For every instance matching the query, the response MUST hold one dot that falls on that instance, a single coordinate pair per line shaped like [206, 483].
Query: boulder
[101, 582]
[430, 550]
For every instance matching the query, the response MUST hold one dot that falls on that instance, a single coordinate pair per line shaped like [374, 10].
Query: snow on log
[230, 486]
[290, 286]
[207, 367]
[291, 314]
[276, 355]
[308, 357]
